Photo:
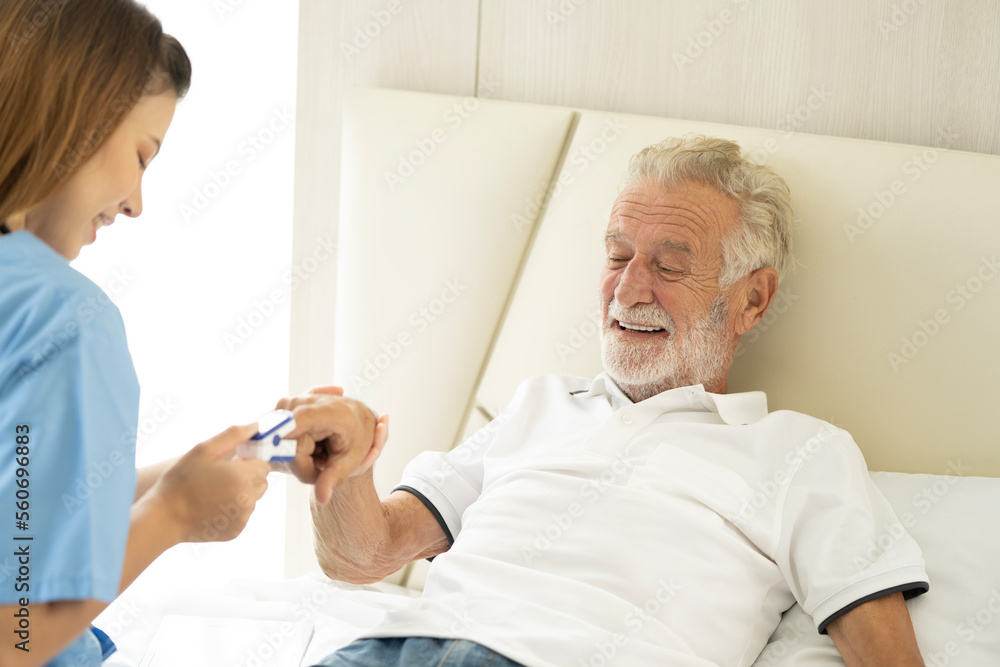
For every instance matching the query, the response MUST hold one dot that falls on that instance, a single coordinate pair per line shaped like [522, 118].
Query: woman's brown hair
[70, 71]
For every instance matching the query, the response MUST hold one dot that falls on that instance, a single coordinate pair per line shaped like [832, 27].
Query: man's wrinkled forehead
[614, 236]
[687, 215]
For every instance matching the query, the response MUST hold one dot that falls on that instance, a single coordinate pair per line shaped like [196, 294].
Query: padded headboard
[471, 245]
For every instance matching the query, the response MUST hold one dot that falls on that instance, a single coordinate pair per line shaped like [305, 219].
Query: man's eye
[616, 260]
[671, 274]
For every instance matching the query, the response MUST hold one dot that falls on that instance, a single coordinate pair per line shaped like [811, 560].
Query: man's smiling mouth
[638, 327]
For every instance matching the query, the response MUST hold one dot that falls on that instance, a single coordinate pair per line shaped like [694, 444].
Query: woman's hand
[337, 437]
[209, 493]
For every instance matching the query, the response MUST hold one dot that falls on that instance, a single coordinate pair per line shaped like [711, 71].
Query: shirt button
[626, 419]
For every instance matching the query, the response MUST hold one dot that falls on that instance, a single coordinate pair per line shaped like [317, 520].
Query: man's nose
[634, 285]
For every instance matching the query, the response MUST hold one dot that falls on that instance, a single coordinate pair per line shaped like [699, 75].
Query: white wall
[908, 71]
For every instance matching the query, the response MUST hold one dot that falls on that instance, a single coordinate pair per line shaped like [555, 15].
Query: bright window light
[201, 277]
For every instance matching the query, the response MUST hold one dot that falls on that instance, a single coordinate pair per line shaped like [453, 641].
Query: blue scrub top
[69, 406]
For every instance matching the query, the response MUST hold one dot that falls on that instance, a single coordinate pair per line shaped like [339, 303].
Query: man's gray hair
[765, 234]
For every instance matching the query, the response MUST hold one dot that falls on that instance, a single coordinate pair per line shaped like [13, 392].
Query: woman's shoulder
[26, 258]
[45, 301]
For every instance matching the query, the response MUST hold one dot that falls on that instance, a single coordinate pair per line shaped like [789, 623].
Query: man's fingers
[289, 402]
[340, 468]
[313, 397]
[325, 483]
[381, 436]
[304, 446]
[303, 466]
[331, 477]
[316, 420]
[327, 389]
[381, 432]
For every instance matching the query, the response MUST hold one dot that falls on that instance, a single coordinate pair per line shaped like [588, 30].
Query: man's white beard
[645, 368]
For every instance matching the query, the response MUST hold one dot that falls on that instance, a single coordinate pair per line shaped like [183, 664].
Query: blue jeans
[415, 652]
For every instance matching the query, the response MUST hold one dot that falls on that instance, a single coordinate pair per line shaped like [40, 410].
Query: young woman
[87, 92]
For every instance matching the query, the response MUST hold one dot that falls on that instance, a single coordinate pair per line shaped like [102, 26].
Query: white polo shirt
[588, 530]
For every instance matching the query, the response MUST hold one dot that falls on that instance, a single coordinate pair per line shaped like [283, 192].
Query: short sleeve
[75, 399]
[447, 483]
[841, 543]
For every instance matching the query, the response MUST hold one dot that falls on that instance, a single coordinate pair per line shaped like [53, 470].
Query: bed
[469, 246]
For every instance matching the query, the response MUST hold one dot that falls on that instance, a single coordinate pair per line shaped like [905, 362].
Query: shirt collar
[734, 409]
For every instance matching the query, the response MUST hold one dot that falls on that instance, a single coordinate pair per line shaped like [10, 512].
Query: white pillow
[956, 522]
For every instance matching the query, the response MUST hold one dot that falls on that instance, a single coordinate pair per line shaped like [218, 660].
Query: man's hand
[209, 493]
[337, 438]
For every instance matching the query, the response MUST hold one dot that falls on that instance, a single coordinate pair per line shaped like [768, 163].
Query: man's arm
[360, 539]
[876, 634]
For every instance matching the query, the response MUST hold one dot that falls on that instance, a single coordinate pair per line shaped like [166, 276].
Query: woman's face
[108, 183]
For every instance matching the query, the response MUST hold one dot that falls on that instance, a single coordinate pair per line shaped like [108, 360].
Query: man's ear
[756, 292]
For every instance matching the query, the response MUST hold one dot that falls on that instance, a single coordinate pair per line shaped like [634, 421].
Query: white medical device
[269, 444]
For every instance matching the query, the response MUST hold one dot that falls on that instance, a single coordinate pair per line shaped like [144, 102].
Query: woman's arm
[149, 475]
[201, 486]
[52, 626]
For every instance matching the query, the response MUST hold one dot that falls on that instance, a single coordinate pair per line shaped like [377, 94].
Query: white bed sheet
[340, 612]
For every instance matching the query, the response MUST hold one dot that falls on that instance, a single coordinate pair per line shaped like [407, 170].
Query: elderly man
[645, 517]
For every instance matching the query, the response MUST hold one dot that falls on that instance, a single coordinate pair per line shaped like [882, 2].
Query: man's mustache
[646, 314]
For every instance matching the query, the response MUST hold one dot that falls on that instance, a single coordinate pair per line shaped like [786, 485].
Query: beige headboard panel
[427, 252]
[885, 327]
